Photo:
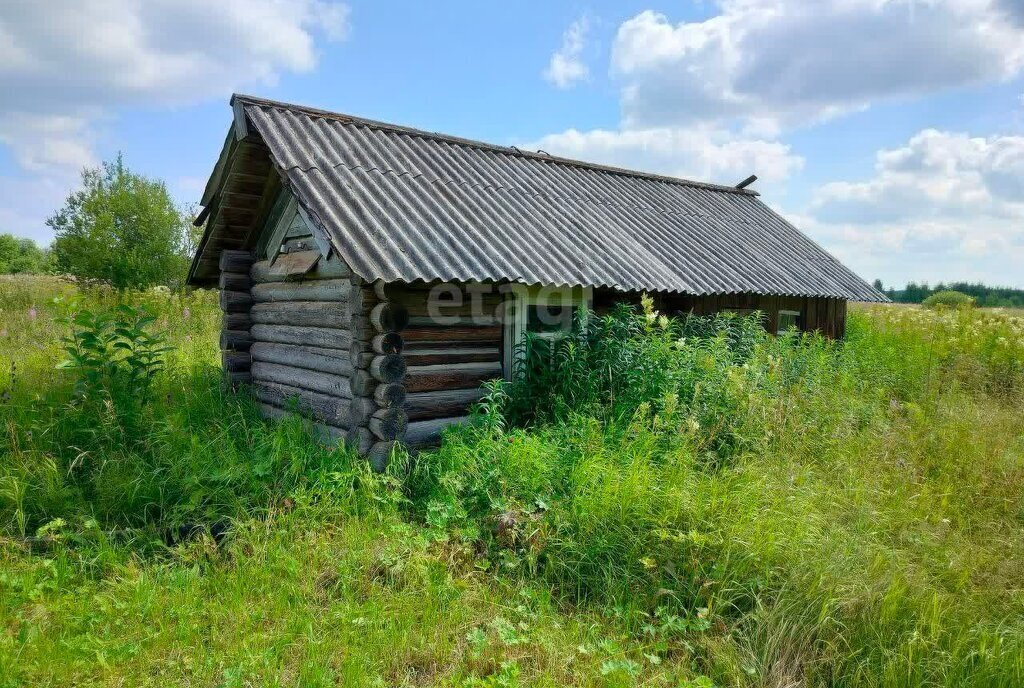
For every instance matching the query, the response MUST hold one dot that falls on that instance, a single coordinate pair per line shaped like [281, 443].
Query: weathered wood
[387, 343]
[389, 423]
[458, 376]
[314, 380]
[389, 291]
[421, 305]
[323, 432]
[452, 334]
[440, 404]
[361, 411]
[234, 281]
[307, 290]
[334, 361]
[236, 321]
[427, 432]
[389, 317]
[235, 261]
[292, 266]
[421, 357]
[262, 271]
[360, 439]
[323, 337]
[387, 395]
[302, 314]
[235, 361]
[387, 368]
[441, 346]
[235, 340]
[362, 383]
[410, 293]
[235, 301]
[443, 320]
[380, 455]
[325, 407]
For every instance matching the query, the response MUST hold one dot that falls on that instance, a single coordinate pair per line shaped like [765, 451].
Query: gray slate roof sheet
[405, 205]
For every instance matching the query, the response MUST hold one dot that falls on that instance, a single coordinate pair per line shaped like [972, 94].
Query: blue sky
[891, 131]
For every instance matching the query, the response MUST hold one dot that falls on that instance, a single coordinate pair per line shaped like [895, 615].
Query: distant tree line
[983, 295]
[19, 255]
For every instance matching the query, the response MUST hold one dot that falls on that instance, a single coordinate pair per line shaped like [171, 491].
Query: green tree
[121, 228]
[19, 255]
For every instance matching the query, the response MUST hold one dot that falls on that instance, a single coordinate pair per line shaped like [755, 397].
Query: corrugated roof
[403, 205]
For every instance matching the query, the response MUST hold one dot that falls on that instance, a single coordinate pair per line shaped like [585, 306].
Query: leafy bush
[121, 229]
[113, 352]
[948, 299]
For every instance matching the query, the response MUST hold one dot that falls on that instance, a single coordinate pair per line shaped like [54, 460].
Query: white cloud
[699, 152]
[714, 99]
[64, 65]
[943, 205]
[566, 66]
[100, 53]
[47, 143]
[798, 62]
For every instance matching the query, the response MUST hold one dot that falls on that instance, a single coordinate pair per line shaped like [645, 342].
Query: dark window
[546, 319]
[789, 320]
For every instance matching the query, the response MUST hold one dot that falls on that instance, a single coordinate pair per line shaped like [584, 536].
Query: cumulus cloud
[62, 63]
[945, 200]
[796, 62]
[712, 98]
[699, 153]
[566, 66]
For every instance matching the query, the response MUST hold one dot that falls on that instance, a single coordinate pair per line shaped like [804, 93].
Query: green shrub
[948, 299]
[121, 229]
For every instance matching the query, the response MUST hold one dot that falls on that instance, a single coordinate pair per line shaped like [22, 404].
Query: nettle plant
[115, 352]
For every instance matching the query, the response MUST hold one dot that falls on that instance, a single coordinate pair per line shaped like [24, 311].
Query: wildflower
[663, 321]
[681, 343]
[186, 314]
[651, 317]
[33, 313]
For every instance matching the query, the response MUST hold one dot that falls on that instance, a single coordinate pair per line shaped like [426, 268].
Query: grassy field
[726, 509]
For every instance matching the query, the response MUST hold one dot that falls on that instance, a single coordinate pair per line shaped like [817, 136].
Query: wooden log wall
[235, 337]
[378, 369]
[300, 340]
[445, 361]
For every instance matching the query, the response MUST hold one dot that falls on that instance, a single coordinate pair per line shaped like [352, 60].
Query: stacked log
[450, 349]
[379, 369]
[300, 346]
[235, 337]
[371, 363]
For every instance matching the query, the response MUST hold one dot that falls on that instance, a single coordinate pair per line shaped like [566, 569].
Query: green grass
[687, 505]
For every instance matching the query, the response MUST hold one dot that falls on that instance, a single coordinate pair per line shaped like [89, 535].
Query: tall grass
[838, 513]
[657, 501]
[191, 453]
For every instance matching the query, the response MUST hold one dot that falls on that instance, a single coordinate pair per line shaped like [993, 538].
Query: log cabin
[372, 276]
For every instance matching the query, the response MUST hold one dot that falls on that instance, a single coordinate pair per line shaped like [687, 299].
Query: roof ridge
[511, 151]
